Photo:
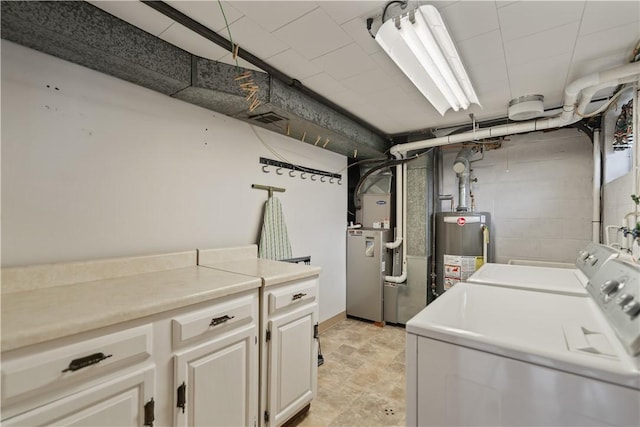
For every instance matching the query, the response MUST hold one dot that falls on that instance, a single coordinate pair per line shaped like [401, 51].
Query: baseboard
[332, 321]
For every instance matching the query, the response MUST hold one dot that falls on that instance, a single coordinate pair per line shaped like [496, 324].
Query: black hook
[278, 171]
[313, 177]
[264, 169]
[291, 174]
[322, 179]
[302, 175]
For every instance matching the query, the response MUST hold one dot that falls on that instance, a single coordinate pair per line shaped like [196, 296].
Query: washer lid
[543, 279]
[562, 332]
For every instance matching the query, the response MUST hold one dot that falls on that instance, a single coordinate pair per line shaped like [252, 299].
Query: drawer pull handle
[298, 296]
[182, 396]
[83, 362]
[218, 320]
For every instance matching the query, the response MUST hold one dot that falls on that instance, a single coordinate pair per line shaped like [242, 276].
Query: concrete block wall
[537, 187]
[616, 204]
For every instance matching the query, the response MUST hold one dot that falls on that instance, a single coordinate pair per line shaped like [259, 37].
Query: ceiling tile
[254, 39]
[524, 18]
[293, 64]
[389, 67]
[613, 40]
[481, 49]
[543, 45]
[313, 35]
[343, 11]
[369, 81]
[324, 84]
[208, 13]
[357, 30]
[272, 15]
[186, 39]
[582, 68]
[348, 99]
[490, 74]
[602, 15]
[468, 19]
[136, 13]
[345, 62]
[546, 77]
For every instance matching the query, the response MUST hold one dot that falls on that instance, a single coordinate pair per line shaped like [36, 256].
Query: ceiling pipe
[216, 38]
[568, 116]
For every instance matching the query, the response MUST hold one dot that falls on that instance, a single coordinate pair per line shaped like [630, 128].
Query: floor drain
[389, 411]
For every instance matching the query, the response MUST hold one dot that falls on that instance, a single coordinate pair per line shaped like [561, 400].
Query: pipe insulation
[612, 77]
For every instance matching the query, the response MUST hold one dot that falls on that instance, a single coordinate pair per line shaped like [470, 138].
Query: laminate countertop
[31, 315]
[269, 271]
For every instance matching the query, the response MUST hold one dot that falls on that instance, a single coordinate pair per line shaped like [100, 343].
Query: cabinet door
[220, 381]
[293, 363]
[118, 402]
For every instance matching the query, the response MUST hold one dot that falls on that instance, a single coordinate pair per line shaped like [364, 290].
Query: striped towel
[274, 240]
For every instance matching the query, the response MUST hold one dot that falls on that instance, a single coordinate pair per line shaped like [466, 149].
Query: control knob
[632, 309]
[624, 299]
[583, 255]
[610, 287]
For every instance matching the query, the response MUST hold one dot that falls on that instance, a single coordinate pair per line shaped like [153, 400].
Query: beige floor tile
[362, 381]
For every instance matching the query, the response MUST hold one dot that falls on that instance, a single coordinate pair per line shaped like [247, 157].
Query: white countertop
[271, 272]
[40, 314]
[244, 260]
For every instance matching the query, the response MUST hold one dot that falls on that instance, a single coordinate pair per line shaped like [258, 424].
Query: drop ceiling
[510, 49]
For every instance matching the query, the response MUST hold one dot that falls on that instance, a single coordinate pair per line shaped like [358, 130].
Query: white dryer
[568, 281]
[501, 356]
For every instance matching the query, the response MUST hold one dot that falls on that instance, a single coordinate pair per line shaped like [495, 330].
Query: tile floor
[362, 380]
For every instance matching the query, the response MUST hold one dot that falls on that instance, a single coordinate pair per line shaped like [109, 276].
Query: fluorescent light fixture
[418, 42]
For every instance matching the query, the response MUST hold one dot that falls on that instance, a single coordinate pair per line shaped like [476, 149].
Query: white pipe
[636, 137]
[611, 77]
[403, 203]
[399, 181]
[587, 94]
[597, 182]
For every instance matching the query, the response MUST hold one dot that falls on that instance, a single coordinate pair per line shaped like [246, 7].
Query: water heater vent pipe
[461, 166]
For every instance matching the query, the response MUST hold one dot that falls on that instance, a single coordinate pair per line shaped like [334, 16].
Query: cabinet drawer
[75, 362]
[299, 293]
[215, 320]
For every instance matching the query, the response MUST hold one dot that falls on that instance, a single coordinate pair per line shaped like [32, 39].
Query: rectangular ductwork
[86, 35]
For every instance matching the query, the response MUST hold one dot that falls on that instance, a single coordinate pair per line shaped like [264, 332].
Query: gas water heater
[462, 246]
[462, 237]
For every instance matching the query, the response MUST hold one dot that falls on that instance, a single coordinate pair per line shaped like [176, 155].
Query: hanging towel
[274, 240]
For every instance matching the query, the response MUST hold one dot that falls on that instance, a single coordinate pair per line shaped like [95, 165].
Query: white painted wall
[95, 167]
[538, 189]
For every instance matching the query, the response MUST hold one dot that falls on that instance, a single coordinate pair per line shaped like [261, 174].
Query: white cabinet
[117, 402]
[290, 356]
[216, 382]
[193, 366]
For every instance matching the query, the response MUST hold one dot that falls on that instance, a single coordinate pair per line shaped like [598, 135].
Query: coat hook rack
[303, 170]
[268, 188]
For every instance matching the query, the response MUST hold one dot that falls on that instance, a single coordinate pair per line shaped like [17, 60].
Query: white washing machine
[501, 356]
[568, 281]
